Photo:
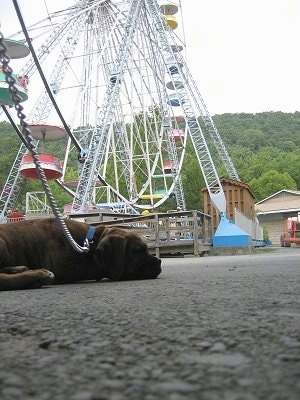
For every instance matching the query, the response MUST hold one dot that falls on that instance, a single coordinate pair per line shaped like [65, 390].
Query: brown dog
[36, 252]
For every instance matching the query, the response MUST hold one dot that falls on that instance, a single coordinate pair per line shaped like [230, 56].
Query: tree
[252, 139]
[271, 182]
[193, 183]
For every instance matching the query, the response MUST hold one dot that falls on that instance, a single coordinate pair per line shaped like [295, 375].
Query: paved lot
[211, 328]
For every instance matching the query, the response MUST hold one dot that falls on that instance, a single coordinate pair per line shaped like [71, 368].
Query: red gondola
[51, 166]
[169, 167]
[178, 134]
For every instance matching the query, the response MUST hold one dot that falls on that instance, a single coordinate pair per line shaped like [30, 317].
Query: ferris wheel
[116, 72]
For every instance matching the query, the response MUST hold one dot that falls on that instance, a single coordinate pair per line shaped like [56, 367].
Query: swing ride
[117, 73]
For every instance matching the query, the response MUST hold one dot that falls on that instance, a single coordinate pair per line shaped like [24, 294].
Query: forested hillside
[264, 147]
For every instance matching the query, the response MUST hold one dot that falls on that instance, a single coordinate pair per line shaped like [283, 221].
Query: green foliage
[264, 147]
[271, 182]
[193, 182]
[261, 144]
[265, 233]
[10, 143]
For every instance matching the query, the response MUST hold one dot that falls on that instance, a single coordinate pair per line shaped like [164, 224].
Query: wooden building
[238, 196]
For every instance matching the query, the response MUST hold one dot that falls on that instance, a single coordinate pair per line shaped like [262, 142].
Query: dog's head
[124, 256]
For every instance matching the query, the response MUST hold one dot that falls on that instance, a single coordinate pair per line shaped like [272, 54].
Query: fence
[182, 232]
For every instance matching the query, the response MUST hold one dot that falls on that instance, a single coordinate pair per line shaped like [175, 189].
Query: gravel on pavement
[209, 328]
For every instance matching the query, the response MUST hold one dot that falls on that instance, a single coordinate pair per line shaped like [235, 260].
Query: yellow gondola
[151, 196]
[171, 21]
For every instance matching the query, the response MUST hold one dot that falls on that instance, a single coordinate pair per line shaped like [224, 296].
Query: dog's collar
[90, 234]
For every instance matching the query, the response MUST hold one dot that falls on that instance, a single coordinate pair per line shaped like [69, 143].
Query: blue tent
[230, 235]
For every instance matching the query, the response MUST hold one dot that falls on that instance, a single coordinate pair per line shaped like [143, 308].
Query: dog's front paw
[29, 279]
[34, 279]
[45, 277]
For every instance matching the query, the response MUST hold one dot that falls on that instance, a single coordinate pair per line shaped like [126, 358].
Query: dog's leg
[29, 279]
[14, 270]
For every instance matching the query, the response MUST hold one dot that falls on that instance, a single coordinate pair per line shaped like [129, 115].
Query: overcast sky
[244, 55]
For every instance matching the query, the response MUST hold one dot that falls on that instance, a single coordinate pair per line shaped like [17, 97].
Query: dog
[35, 253]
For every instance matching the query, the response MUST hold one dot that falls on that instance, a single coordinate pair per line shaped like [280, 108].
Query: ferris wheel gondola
[15, 49]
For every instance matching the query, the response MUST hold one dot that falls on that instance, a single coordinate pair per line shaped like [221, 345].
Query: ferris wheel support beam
[87, 72]
[209, 124]
[101, 133]
[12, 187]
[203, 154]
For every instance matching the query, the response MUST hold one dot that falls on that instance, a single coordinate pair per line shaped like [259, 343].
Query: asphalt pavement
[209, 328]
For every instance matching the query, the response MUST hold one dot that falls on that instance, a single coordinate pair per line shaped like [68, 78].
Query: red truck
[292, 233]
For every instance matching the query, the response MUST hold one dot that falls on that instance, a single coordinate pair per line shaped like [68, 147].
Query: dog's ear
[111, 250]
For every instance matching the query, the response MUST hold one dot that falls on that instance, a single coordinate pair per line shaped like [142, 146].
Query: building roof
[233, 182]
[280, 202]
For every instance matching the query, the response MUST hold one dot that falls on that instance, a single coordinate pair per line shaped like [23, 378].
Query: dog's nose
[158, 265]
[155, 260]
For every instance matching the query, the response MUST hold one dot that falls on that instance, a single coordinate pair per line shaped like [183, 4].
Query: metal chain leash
[30, 144]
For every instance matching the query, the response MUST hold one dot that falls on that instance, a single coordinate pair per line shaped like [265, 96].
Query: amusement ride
[115, 80]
